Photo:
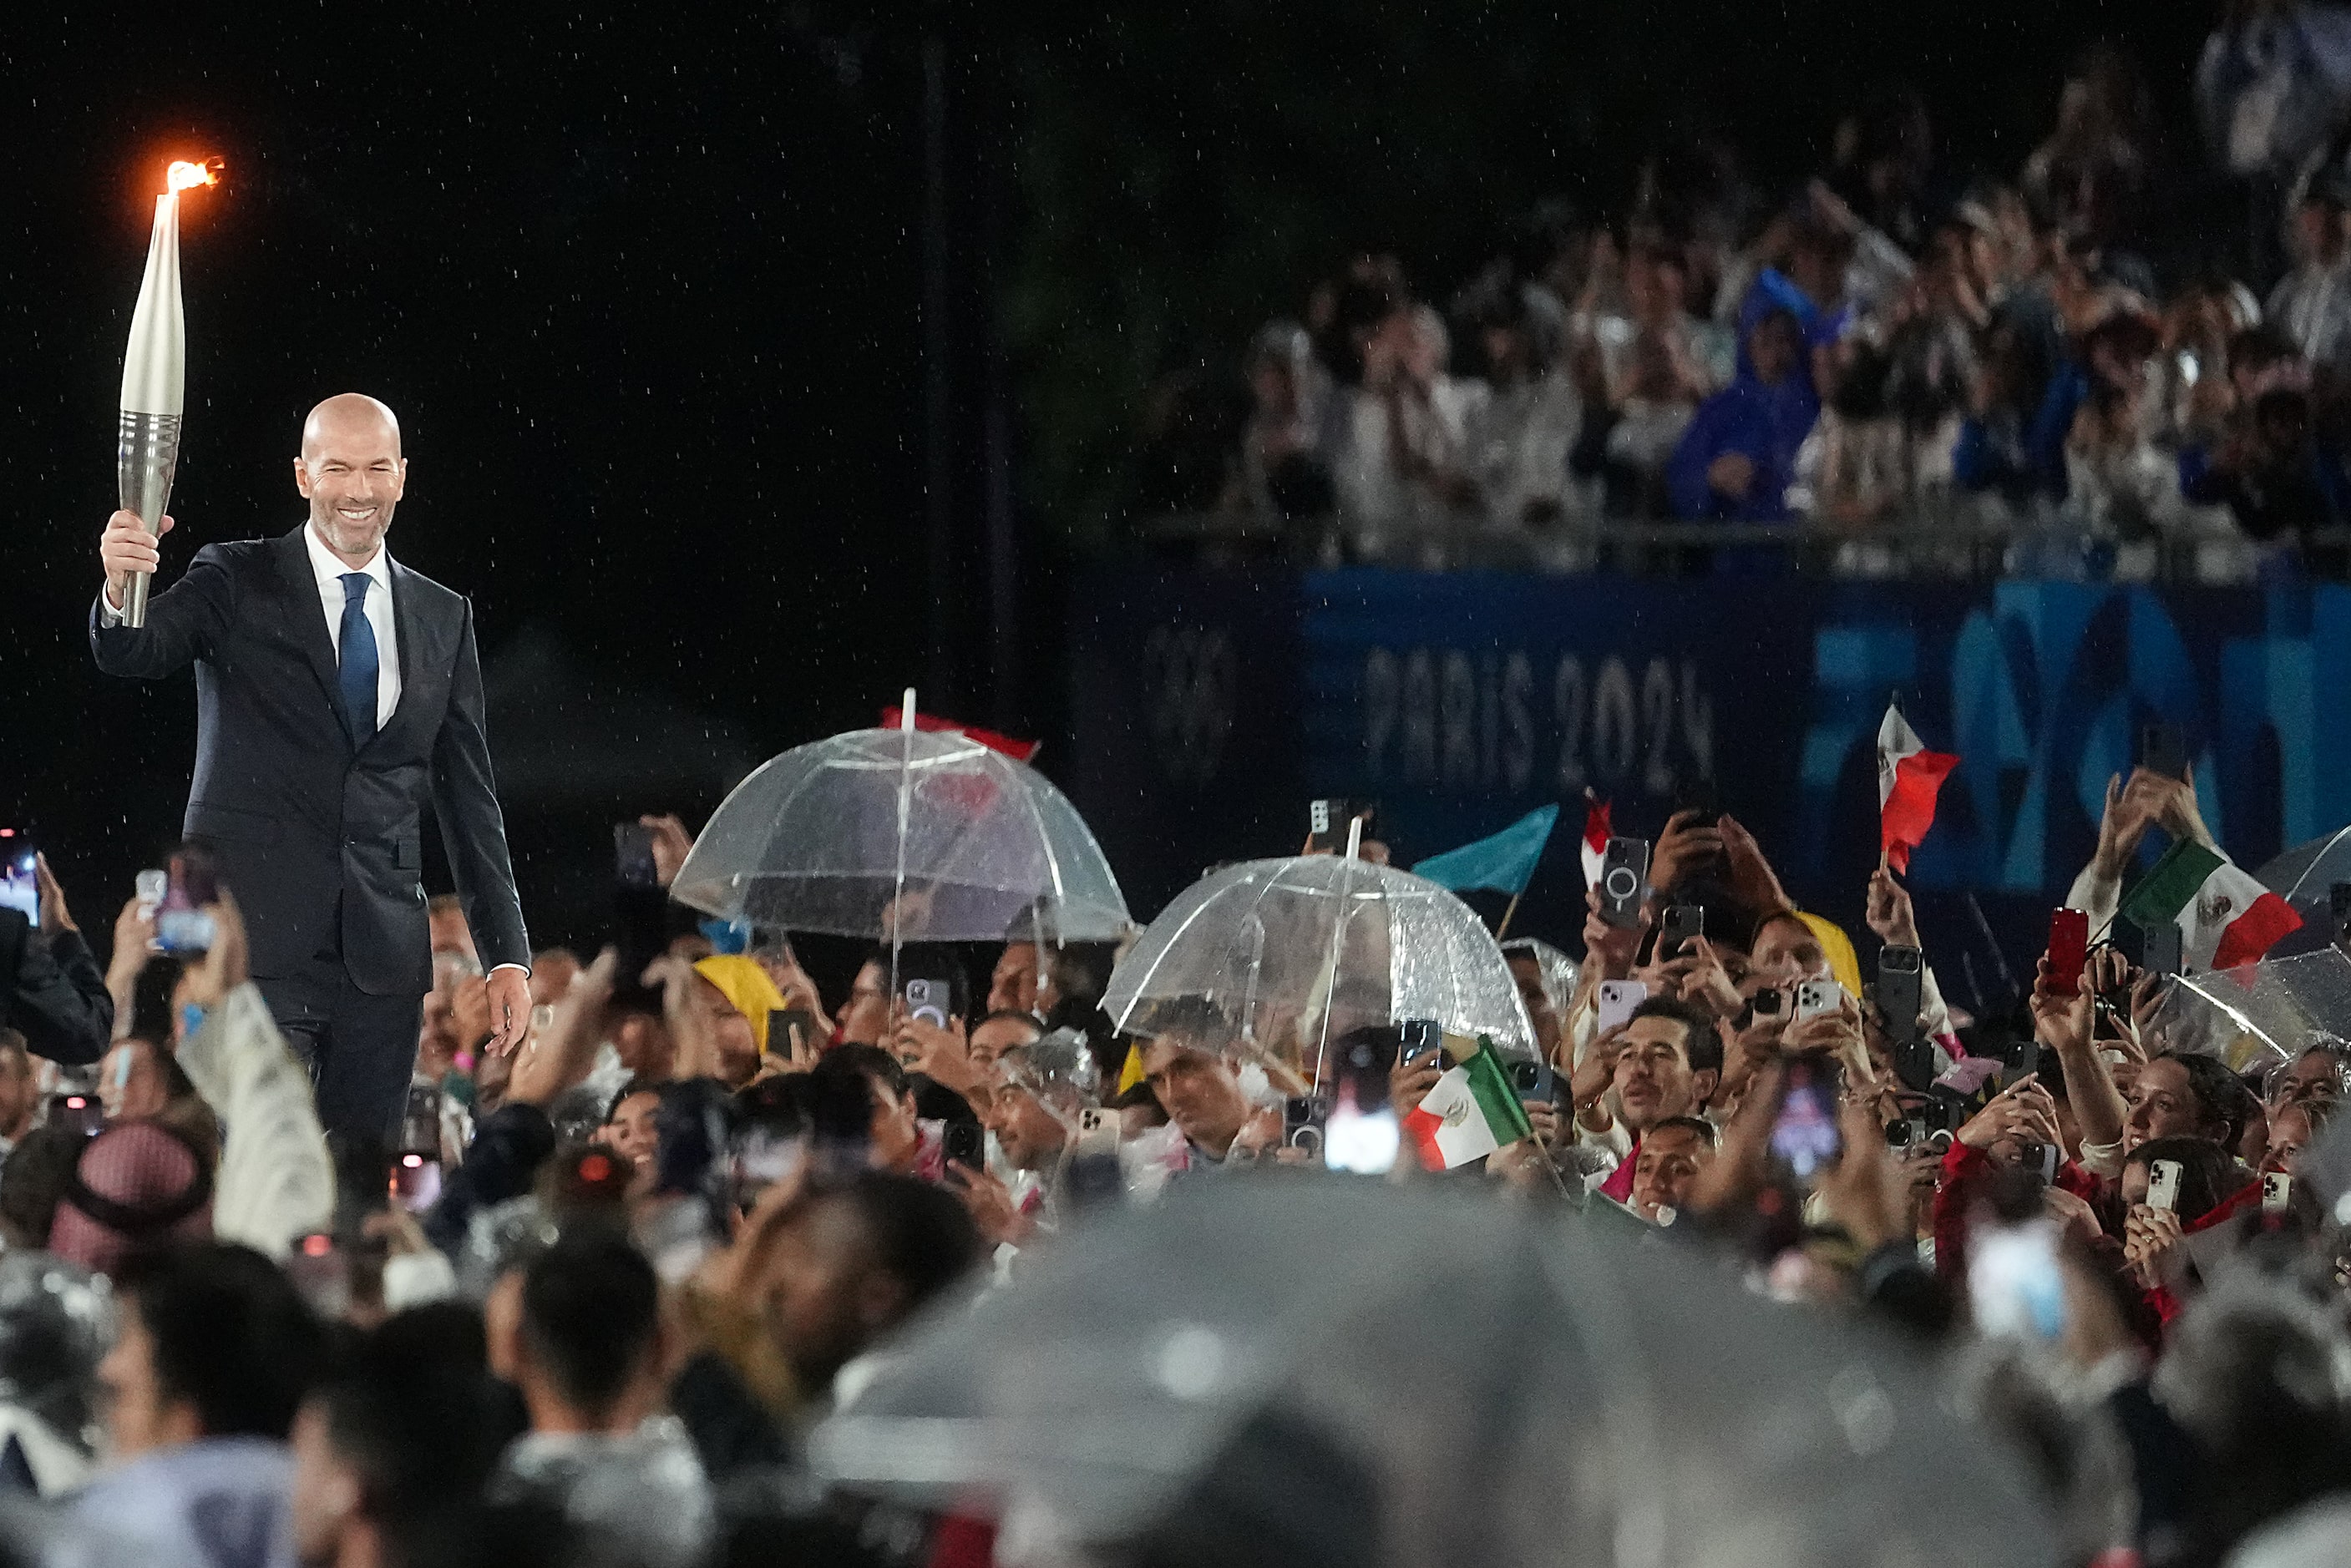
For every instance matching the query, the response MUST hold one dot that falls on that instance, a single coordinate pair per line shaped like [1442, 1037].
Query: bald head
[351, 472]
[349, 416]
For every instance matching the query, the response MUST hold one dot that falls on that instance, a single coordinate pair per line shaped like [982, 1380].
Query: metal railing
[1956, 544]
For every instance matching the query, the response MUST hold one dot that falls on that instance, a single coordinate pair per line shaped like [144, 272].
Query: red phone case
[2069, 949]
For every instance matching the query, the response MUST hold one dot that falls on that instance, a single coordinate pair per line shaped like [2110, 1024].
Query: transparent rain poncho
[931, 834]
[1297, 952]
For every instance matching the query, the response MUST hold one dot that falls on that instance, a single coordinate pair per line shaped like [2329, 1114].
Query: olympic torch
[154, 375]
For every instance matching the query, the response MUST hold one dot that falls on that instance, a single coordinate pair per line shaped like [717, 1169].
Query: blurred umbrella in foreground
[907, 833]
[1271, 940]
[1329, 1371]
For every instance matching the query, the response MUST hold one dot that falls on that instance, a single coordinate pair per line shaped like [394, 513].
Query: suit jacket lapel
[406, 633]
[306, 617]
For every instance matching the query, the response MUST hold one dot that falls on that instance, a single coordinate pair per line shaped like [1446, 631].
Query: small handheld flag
[1470, 1111]
[2225, 917]
[1503, 861]
[1596, 833]
[1908, 777]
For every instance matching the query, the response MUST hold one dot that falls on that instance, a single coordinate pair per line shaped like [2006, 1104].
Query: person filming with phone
[338, 694]
[54, 995]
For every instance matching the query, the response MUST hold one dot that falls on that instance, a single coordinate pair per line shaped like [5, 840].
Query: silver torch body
[154, 391]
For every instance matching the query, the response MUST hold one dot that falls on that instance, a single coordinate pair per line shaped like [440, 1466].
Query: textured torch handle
[148, 453]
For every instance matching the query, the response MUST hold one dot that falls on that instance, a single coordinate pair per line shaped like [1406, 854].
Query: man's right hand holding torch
[127, 547]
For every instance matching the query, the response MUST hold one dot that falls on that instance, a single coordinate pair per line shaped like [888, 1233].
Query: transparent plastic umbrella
[1341, 1371]
[1271, 942]
[2259, 1015]
[932, 833]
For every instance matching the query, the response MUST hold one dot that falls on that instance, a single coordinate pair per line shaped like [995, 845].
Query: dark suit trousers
[361, 1050]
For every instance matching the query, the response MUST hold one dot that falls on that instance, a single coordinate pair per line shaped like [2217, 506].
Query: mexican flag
[2225, 918]
[1470, 1112]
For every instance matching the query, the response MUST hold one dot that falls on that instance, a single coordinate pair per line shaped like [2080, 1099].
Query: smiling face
[351, 472]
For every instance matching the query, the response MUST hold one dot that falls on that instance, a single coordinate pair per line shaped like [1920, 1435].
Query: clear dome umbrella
[1332, 1370]
[1298, 951]
[903, 834]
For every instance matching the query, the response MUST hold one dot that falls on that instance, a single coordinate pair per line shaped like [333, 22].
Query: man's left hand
[509, 994]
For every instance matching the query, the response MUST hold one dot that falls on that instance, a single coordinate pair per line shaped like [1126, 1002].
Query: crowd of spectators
[2059, 352]
[589, 1303]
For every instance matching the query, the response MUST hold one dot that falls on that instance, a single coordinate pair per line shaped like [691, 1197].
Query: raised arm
[184, 622]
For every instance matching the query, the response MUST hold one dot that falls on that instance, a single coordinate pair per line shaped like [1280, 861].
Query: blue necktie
[358, 676]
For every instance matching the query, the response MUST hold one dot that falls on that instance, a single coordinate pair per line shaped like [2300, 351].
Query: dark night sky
[646, 292]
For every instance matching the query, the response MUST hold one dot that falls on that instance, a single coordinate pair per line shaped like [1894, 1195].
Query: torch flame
[184, 176]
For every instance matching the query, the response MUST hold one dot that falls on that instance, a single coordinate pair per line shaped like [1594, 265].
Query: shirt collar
[330, 570]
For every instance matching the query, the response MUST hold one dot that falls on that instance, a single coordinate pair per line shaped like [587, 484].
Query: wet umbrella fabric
[1333, 1370]
[812, 842]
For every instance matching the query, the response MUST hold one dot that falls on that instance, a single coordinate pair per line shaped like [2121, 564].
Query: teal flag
[1502, 861]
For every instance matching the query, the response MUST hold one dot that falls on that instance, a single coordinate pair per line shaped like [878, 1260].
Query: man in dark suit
[337, 691]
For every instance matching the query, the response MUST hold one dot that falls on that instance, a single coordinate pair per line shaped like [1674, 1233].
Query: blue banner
[1462, 702]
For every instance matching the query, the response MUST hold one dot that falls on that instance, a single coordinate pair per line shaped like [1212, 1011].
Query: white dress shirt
[329, 570]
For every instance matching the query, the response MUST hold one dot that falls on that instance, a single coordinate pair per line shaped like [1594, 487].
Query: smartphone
[1097, 1132]
[1305, 1123]
[1618, 998]
[1624, 881]
[1361, 1142]
[1909, 1132]
[416, 1182]
[1804, 1137]
[2162, 748]
[2160, 950]
[320, 1271]
[419, 1122]
[2277, 1192]
[633, 856]
[2069, 949]
[1328, 820]
[967, 1144]
[152, 885]
[1417, 1037]
[1698, 795]
[1684, 924]
[1534, 1081]
[20, 881]
[2016, 1285]
[2038, 1159]
[77, 1112]
[1900, 992]
[2163, 1184]
[790, 1030]
[927, 998]
[1769, 1002]
[1816, 997]
[190, 883]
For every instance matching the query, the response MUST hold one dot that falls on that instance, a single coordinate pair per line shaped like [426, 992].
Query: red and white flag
[1596, 832]
[1019, 751]
[1908, 775]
